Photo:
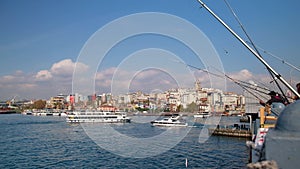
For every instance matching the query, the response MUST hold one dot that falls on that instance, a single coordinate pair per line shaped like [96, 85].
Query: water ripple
[48, 142]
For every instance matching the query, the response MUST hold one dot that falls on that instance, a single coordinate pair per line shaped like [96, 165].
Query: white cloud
[16, 77]
[146, 80]
[243, 75]
[104, 74]
[8, 78]
[43, 75]
[66, 67]
[62, 69]
[42, 84]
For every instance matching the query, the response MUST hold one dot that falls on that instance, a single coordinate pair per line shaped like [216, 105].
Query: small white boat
[27, 112]
[169, 122]
[202, 115]
[63, 114]
[97, 117]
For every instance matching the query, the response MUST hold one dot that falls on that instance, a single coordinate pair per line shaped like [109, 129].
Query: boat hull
[7, 111]
[98, 120]
[202, 115]
[169, 125]
[97, 117]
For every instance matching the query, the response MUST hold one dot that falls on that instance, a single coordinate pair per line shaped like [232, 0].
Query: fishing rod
[278, 58]
[245, 32]
[277, 75]
[238, 82]
[204, 70]
[256, 86]
[262, 90]
[246, 88]
[243, 85]
[241, 25]
[246, 84]
[254, 46]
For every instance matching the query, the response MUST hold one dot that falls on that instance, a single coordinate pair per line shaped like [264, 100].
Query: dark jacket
[274, 98]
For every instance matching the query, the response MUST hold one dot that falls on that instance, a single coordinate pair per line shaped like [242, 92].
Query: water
[49, 142]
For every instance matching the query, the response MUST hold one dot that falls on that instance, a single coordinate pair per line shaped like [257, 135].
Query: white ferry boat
[97, 117]
[169, 122]
[202, 115]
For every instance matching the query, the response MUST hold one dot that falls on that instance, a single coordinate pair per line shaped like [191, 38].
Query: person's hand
[261, 102]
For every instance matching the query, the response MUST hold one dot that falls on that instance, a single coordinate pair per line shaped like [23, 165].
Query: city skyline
[174, 100]
[41, 42]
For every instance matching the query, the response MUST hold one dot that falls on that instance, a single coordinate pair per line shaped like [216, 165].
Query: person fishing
[298, 90]
[276, 103]
[275, 98]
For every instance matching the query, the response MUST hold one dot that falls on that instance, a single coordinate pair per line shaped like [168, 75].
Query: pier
[236, 131]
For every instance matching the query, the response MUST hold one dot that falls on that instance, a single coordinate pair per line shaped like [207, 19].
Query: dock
[236, 131]
[232, 133]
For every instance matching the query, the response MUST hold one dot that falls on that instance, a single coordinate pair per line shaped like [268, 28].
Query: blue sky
[43, 35]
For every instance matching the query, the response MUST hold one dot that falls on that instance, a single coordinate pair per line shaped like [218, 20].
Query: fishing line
[254, 46]
[245, 87]
[257, 91]
[278, 58]
[241, 25]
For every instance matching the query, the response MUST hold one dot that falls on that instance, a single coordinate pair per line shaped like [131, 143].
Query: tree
[39, 104]
[192, 107]
[179, 108]
[141, 109]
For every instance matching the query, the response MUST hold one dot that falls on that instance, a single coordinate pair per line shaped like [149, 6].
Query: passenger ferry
[97, 117]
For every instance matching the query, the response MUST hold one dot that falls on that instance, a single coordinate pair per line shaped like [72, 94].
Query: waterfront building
[230, 99]
[57, 102]
[214, 98]
[188, 98]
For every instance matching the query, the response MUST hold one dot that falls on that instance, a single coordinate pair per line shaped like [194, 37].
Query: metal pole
[250, 119]
[250, 49]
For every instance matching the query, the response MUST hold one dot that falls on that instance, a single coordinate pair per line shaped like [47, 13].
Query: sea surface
[49, 142]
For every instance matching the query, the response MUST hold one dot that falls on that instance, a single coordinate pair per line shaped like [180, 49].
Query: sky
[44, 45]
